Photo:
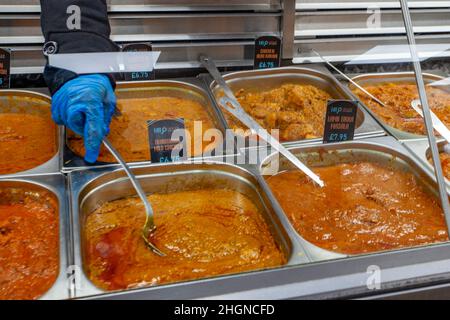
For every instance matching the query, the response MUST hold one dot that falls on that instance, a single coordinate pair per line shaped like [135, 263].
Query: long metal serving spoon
[149, 227]
[349, 79]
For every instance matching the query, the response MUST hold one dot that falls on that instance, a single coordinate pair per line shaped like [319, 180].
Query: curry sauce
[398, 112]
[29, 243]
[129, 132]
[364, 207]
[445, 161]
[203, 233]
[26, 141]
[445, 158]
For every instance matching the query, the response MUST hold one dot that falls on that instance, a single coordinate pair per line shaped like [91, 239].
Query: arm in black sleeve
[76, 26]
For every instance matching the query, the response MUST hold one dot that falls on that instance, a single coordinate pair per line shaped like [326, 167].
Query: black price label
[167, 140]
[340, 121]
[142, 75]
[267, 52]
[5, 68]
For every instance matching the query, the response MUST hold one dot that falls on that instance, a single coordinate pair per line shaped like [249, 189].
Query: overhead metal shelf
[342, 23]
[26, 29]
[358, 4]
[32, 6]
[352, 28]
[29, 59]
[348, 48]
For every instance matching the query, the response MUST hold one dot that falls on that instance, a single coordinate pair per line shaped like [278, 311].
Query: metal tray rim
[193, 84]
[399, 134]
[62, 282]
[388, 144]
[361, 131]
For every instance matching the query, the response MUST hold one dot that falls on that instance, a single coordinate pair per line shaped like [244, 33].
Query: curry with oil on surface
[29, 243]
[398, 112]
[203, 233]
[296, 110]
[26, 141]
[129, 132]
[364, 207]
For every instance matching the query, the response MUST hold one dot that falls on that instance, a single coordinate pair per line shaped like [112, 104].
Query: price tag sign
[340, 121]
[267, 52]
[5, 68]
[167, 140]
[138, 76]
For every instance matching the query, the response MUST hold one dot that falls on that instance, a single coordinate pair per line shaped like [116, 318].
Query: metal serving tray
[385, 150]
[190, 88]
[259, 80]
[91, 188]
[421, 149]
[55, 184]
[377, 78]
[54, 164]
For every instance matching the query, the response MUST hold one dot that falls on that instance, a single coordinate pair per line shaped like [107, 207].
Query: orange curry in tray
[445, 161]
[29, 243]
[27, 139]
[296, 110]
[203, 233]
[445, 158]
[364, 207]
[398, 112]
[129, 133]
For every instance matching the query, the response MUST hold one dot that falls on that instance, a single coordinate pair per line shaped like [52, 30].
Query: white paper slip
[105, 62]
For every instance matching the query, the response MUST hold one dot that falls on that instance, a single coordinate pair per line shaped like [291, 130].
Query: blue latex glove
[86, 105]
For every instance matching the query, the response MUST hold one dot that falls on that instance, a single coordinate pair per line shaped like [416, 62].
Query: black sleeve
[77, 26]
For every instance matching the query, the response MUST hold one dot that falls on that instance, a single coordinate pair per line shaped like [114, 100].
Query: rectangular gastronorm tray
[191, 88]
[421, 149]
[382, 150]
[376, 78]
[314, 75]
[55, 184]
[54, 164]
[91, 188]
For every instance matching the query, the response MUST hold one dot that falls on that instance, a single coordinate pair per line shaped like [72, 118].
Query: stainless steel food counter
[177, 29]
[310, 272]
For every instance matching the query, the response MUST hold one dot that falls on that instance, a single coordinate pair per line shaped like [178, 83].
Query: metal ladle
[149, 227]
[381, 103]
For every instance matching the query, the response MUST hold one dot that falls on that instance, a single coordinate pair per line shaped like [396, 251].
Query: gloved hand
[86, 105]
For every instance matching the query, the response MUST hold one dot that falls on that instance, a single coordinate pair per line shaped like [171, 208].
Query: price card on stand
[167, 139]
[143, 75]
[340, 121]
[267, 52]
[5, 68]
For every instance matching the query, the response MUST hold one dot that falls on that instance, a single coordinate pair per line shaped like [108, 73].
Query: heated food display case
[238, 221]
